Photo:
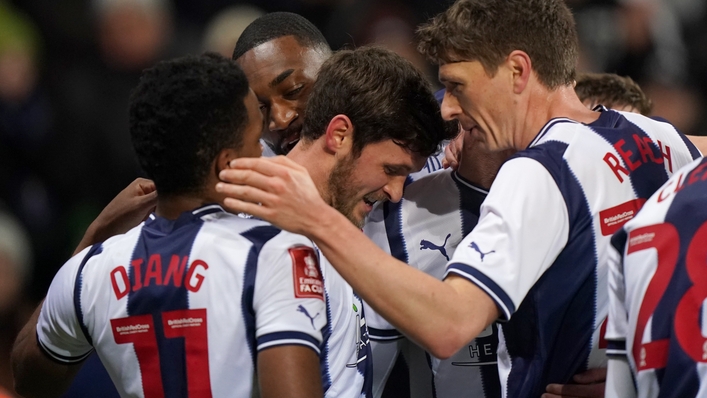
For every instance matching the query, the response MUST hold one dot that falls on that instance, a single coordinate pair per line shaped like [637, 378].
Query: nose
[281, 116]
[450, 107]
[394, 188]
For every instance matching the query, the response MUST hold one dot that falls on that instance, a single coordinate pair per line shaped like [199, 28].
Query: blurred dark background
[67, 68]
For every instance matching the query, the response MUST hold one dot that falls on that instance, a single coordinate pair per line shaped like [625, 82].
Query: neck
[479, 165]
[544, 105]
[310, 155]
[171, 207]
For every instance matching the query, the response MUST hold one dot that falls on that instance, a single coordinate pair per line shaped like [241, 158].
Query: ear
[521, 67]
[223, 159]
[339, 135]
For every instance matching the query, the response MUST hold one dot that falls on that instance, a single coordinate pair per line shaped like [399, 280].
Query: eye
[394, 171]
[292, 94]
[263, 108]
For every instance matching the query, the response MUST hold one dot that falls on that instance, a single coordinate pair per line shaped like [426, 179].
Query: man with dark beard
[371, 120]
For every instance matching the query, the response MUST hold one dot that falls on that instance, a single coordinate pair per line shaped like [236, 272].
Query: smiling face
[281, 72]
[482, 104]
[378, 174]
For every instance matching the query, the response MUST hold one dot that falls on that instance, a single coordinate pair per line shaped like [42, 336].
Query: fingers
[239, 206]
[232, 178]
[575, 390]
[245, 193]
[595, 375]
[145, 186]
[278, 166]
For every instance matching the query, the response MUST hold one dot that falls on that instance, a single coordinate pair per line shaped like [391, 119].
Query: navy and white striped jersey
[657, 289]
[182, 307]
[433, 164]
[347, 366]
[541, 245]
[423, 230]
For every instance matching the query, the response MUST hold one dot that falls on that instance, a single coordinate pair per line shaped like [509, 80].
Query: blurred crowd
[67, 68]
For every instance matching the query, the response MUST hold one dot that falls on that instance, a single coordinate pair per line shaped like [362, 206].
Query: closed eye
[292, 94]
[396, 170]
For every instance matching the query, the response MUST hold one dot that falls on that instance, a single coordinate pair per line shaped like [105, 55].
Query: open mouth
[369, 202]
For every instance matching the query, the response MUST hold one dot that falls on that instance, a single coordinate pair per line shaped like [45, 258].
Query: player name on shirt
[634, 156]
[174, 276]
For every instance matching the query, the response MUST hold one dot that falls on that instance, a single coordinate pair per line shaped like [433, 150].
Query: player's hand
[589, 384]
[277, 190]
[453, 152]
[128, 209]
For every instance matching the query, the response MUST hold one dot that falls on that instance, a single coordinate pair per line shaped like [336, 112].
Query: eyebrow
[399, 169]
[282, 76]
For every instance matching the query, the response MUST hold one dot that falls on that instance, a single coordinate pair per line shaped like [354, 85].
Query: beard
[341, 194]
[344, 196]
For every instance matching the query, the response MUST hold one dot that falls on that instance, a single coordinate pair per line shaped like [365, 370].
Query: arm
[455, 308]
[129, 208]
[289, 371]
[35, 374]
[50, 348]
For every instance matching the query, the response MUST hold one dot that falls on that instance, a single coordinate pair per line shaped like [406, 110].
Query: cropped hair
[384, 96]
[183, 112]
[279, 24]
[487, 31]
[612, 91]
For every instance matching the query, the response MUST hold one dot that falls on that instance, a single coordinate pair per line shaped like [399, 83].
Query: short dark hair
[488, 30]
[279, 24]
[612, 90]
[385, 97]
[183, 112]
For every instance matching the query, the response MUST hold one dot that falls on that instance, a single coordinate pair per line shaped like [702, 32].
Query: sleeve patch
[308, 281]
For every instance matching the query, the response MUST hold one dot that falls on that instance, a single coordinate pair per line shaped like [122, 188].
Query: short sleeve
[288, 298]
[522, 228]
[58, 329]
[617, 324]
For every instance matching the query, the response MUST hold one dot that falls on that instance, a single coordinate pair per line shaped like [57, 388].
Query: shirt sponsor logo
[482, 254]
[185, 322]
[130, 329]
[306, 313]
[427, 245]
[308, 281]
[614, 218]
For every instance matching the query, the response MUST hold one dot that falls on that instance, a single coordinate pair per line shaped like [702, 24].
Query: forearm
[417, 304]
[35, 375]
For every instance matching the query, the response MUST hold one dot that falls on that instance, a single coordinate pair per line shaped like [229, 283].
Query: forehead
[267, 60]
[389, 153]
[460, 71]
